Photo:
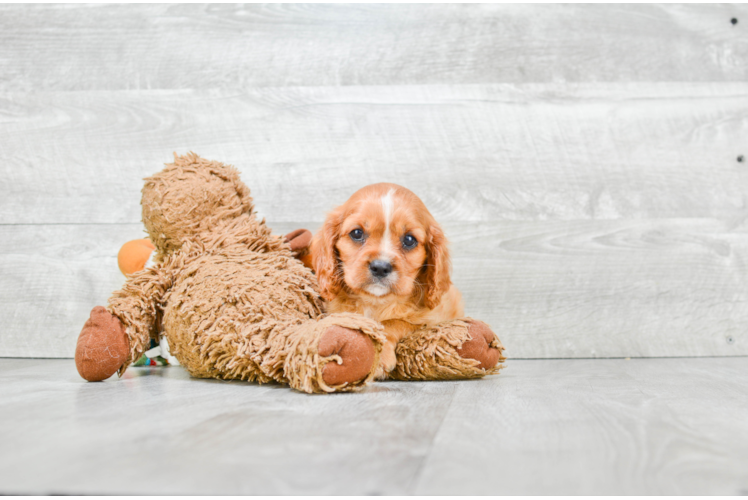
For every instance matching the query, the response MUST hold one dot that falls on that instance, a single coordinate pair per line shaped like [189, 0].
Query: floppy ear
[437, 279]
[325, 257]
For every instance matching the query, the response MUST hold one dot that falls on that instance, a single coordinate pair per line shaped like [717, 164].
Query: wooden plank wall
[582, 158]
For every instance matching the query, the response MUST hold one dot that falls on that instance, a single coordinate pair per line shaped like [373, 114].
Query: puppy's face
[382, 242]
[381, 248]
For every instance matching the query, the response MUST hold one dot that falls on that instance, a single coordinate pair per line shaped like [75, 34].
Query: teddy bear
[235, 301]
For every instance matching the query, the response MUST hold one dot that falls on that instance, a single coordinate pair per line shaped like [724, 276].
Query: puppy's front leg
[394, 330]
[388, 360]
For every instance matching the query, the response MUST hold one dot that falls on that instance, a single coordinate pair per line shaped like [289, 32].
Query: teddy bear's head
[191, 196]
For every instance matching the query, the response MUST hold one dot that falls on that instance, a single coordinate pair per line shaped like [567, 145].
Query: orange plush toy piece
[134, 255]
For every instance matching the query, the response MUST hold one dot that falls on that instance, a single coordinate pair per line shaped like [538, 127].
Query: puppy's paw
[387, 361]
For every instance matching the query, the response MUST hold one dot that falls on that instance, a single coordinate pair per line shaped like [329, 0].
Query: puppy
[382, 254]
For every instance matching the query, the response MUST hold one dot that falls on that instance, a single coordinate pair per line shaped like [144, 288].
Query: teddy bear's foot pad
[356, 351]
[102, 346]
[483, 345]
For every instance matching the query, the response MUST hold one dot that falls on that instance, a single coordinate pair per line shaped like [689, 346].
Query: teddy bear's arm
[458, 349]
[138, 306]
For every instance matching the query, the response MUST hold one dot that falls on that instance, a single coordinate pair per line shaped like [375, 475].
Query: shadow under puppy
[383, 255]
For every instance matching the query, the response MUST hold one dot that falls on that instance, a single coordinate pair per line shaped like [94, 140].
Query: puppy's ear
[436, 269]
[325, 258]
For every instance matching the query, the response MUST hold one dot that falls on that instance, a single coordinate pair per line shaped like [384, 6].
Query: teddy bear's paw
[102, 346]
[354, 354]
[299, 239]
[484, 346]
[300, 243]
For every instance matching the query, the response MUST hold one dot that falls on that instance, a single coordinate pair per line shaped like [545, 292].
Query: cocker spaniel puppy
[382, 254]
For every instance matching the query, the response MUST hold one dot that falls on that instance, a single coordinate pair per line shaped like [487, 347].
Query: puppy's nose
[380, 268]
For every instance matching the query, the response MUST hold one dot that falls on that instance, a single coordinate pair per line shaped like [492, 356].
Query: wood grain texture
[655, 426]
[477, 153]
[52, 276]
[210, 437]
[125, 47]
[670, 287]
[607, 288]
[607, 427]
[581, 157]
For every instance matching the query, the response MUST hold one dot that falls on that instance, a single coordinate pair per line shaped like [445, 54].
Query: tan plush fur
[432, 353]
[230, 297]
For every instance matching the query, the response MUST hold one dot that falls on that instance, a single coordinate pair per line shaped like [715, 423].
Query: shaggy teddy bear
[234, 302]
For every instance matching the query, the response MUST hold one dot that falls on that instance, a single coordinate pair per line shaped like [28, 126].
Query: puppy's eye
[357, 235]
[409, 242]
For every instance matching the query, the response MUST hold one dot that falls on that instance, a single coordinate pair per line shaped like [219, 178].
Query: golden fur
[418, 292]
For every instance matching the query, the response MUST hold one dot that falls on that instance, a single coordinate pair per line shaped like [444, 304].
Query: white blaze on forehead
[387, 207]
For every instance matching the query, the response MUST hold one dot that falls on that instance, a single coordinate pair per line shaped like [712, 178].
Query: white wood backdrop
[582, 158]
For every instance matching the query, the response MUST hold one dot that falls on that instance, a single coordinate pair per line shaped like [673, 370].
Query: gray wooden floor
[639, 426]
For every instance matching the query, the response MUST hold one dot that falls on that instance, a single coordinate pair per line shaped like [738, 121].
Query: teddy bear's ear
[190, 196]
[325, 260]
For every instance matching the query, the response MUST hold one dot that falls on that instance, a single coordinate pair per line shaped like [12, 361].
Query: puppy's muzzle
[380, 269]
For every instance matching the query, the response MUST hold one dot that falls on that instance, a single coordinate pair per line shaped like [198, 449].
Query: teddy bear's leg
[102, 346]
[137, 305]
[459, 349]
[334, 354]
[112, 338]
